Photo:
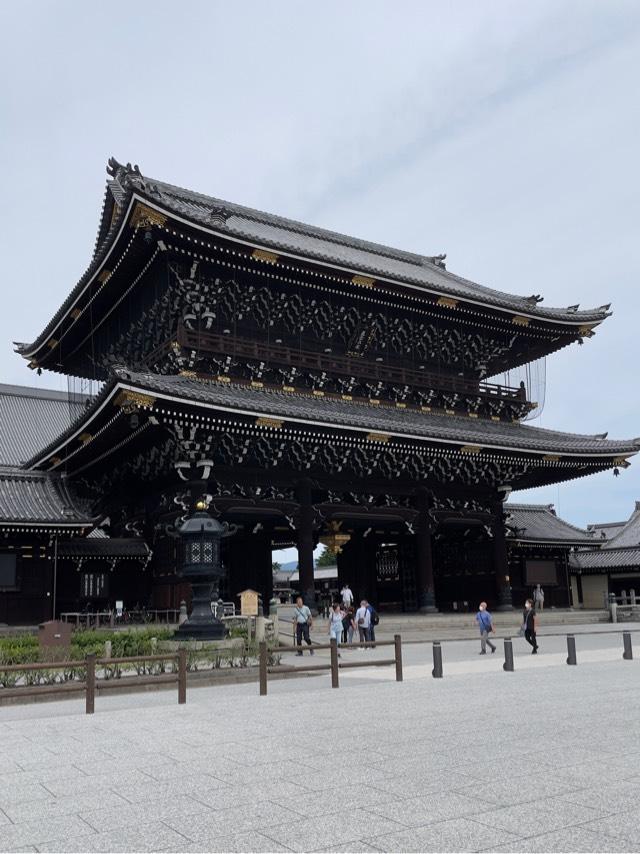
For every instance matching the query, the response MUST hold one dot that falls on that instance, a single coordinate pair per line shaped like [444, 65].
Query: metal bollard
[90, 688]
[571, 650]
[398, 647]
[263, 668]
[182, 676]
[437, 660]
[335, 679]
[628, 651]
[508, 656]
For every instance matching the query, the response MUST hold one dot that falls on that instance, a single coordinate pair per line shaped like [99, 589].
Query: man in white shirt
[363, 621]
[347, 596]
[538, 597]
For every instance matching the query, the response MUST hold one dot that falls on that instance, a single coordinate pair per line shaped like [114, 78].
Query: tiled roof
[337, 413]
[630, 533]
[605, 530]
[276, 232]
[538, 522]
[104, 547]
[30, 418]
[359, 255]
[604, 560]
[37, 498]
[366, 416]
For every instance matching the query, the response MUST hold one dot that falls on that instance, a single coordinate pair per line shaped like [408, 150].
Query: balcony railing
[288, 357]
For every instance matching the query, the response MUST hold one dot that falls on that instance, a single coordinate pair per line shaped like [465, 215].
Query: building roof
[605, 530]
[273, 232]
[629, 535]
[620, 550]
[333, 413]
[35, 499]
[30, 418]
[539, 523]
[604, 560]
[104, 547]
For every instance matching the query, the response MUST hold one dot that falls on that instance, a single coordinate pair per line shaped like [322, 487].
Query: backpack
[375, 619]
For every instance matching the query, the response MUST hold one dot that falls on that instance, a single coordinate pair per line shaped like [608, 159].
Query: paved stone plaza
[543, 759]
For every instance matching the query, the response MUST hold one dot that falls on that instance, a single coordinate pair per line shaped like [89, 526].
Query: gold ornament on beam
[129, 401]
[335, 539]
[144, 217]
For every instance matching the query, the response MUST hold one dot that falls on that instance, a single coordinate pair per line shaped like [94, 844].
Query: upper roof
[35, 499]
[299, 240]
[539, 523]
[30, 418]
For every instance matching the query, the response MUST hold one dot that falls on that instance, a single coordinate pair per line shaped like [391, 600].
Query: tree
[275, 566]
[327, 558]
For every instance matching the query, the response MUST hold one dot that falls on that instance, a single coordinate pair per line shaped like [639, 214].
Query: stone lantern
[201, 537]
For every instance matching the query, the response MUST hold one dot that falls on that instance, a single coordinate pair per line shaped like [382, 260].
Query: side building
[612, 564]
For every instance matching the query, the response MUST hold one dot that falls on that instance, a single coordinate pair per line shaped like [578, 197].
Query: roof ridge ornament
[218, 216]
[438, 260]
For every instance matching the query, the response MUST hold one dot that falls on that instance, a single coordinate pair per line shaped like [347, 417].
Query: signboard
[249, 603]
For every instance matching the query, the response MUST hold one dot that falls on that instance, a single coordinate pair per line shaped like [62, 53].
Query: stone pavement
[543, 759]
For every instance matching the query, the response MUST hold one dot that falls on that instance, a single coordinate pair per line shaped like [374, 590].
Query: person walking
[303, 621]
[347, 597]
[363, 621]
[336, 617]
[538, 598]
[374, 620]
[485, 624]
[530, 625]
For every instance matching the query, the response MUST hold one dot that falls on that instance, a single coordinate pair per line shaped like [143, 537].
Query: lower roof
[604, 560]
[335, 413]
[33, 417]
[34, 499]
[104, 547]
[539, 523]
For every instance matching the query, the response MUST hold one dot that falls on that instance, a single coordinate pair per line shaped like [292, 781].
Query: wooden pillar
[264, 561]
[306, 544]
[423, 555]
[369, 569]
[501, 559]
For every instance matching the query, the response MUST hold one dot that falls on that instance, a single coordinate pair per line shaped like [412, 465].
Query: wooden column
[501, 559]
[264, 561]
[423, 555]
[306, 544]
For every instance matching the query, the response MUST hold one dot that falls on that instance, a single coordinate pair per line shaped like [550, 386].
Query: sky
[505, 134]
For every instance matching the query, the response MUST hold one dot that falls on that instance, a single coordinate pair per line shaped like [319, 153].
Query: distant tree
[327, 558]
[275, 566]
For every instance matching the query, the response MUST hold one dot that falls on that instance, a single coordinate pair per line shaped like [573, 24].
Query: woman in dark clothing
[530, 624]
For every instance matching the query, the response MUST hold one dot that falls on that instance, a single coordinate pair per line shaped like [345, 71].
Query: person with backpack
[485, 624]
[374, 620]
[530, 625]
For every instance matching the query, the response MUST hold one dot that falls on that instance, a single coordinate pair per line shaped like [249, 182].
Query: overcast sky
[505, 134]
